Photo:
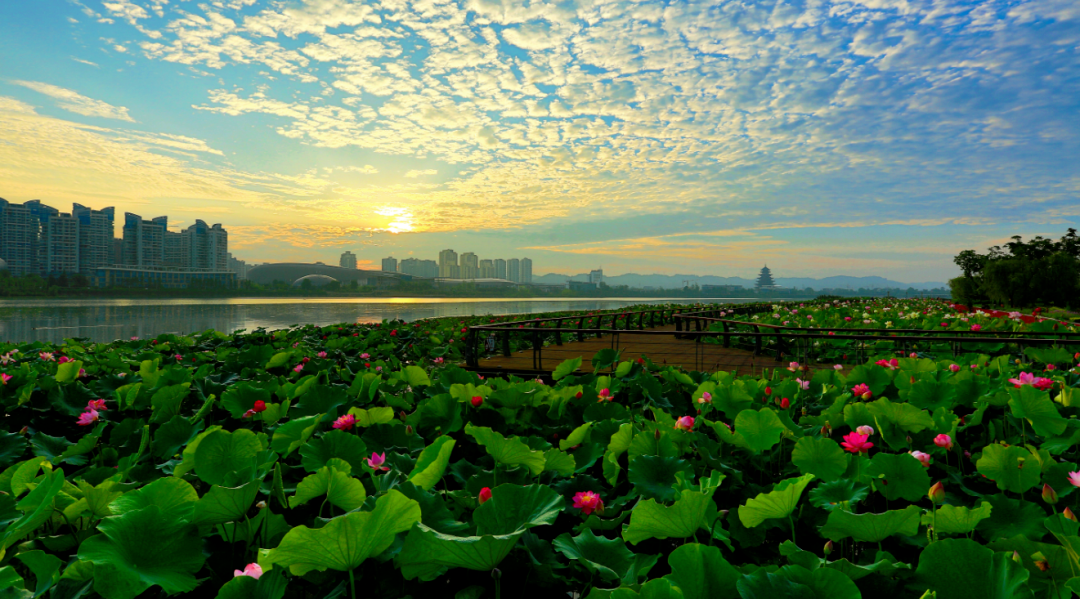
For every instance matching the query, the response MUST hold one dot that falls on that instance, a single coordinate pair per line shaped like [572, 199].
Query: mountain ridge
[679, 281]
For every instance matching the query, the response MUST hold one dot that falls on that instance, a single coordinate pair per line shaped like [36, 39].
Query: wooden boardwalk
[661, 349]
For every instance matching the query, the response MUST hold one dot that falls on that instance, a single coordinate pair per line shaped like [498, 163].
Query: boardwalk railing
[805, 343]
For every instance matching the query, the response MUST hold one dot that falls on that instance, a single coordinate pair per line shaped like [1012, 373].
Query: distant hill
[679, 281]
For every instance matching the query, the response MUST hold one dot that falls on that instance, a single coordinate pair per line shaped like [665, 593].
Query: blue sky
[845, 137]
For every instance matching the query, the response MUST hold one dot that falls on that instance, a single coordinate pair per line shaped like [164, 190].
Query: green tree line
[1021, 273]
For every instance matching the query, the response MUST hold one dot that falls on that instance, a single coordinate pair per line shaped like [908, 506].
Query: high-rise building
[470, 267]
[513, 270]
[58, 240]
[118, 251]
[389, 264]
[448, 261]
[96, 230]
[455, 271]
[348, 260]
[500, 268]
[19, 234]
[596, 276]
[237, 266]
[487, 269]
[177, 250]
[419, 268]
[526, 270]
[144, 241]
[207, 247]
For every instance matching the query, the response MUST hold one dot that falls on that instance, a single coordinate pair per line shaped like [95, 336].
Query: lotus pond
[360, 461]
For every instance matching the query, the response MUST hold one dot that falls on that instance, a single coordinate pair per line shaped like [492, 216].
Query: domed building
[316, 280]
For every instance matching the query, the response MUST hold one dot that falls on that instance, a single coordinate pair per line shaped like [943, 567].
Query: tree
[1021, 273]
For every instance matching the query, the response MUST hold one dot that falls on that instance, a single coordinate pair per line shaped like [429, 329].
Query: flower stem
[352, 585]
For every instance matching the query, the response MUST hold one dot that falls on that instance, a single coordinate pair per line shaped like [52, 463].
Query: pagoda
[765, 280]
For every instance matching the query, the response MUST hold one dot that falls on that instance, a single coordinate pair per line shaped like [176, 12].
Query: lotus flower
[1027, 378]
[46, 356]
[605, 395]
[785, 403]
[804, 385]
[345, 422]
[377, 460]
[944, 441]
[862, 390]
[96, 404]
[476, 401]
[485, 494]
[298, 367]
[1069, 514]
[838, 367]
[4, 378]
[684, 423]
[1049, 495]
[924, 458]
[321, 354]
[937, 493]
[88, 417]
[954, 367]
[706, 397]
[793, 366]
[253, 570]
[976, 328]
[865, 430]
[365, 356]
[890, 364]
[64, 360]
[856, 443]
[1074, 479]
[588, 502]
[438, 360]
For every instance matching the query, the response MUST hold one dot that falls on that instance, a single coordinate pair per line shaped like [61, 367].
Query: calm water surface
[106, 320]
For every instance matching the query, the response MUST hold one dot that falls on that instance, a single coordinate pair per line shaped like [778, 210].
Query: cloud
[420, 173]
[79, 104]
[93, 64]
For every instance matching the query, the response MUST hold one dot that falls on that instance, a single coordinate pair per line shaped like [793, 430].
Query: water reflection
[106, 320]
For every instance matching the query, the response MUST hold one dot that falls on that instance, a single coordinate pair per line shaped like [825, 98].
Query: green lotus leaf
[37, 508]
[838, 494]
[820, 456]
[241, 397]
[335, 444]
[796, 582]
[952, 519]
[346, 541]
[166, 402]
[964, 569]
[46, 568]
[514, 508]
[1011, 468]
[170, 437]
[778, 503]
[294, 433]
[416, 376]
[871, 528]
[566, 368]
[223, 504]
[509, 452]
[654, 477]
[223, 455]
[143, 548]
[559, 462]
[576, 437]
[760, 429]
[611, 559]
[372, 416]
[332, 480]
[68, 371]
[12, 447]
[271, 585]
[431, 465]
[1011, 517]
[874, 376]
[701, 572]
[1036, 407]
[175, 497]
[650, 519]
[899, 476]
[428, 553]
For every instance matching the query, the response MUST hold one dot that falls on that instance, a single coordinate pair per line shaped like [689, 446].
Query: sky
[862, 137]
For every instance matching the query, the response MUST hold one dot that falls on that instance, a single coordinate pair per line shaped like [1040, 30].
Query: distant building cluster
[36, 239]
[466, 267]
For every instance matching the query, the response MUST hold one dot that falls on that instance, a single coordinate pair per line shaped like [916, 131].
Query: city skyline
[856, 138]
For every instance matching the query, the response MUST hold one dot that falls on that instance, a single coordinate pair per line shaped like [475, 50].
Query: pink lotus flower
[260, 406]
[890, 364]
[377, 460]
[378, 369]
[976, 328]
[321, 354]
[605, 395]
[913, 355]
[88, 417]
[862, 390]
[804, 385]
[943, 440]
[96, 404]
[298, 367]
[438, 360]
[924, 458]
[46, 356]
[1074, 479]
[485, 494]
[4, 378]
[134, 338]
[847, 319]
[1027, 378]
[954, 367]
[865, 430]
[685, 423]
[365, 356]
[82, 373]
[64, 360]
[253, 570]
[785, 403]
[838, 366]
[345, 422]
[588, 502]
[856, 443]
[793, 366]
[1050, 367]
[706, 397]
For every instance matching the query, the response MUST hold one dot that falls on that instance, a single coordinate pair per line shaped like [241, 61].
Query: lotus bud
[1016, 557]
[408, 430]
[937, 493]
[908, 438]
[401, 415]
[1069, 514]
[1041, 562]
[1049, 495]
[828, 548]
[657, 434]
[22, 431]
[261, 505]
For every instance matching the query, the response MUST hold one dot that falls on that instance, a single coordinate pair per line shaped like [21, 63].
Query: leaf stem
[352, 584]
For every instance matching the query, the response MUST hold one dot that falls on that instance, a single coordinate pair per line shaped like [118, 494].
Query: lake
[110, 319]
